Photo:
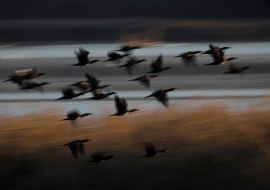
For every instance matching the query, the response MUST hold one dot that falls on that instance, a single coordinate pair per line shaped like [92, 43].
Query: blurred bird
[130, 63]
[161, 96]
[113, 56]
[236, 70]
[77, 147]
[82, 56]
[82, 85]
[100, 96]
[15, 78]
[127, 48]
[218, 55]
[32, 74]
[157, 65]
[121, 107]
[189, 57]
[213, 49]
[151, 150]
[33, 85]
[145, 80]
[100, 157]
[94, 83]
[69, 94]
[74, 115]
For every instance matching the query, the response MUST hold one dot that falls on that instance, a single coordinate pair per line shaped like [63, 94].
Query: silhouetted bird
[100, 96]
[130, 63]
[33, 85]
[213, 49]
[161, 96]
[94, 83]
[82, 56]
[157, 65]
[76, 147]
[100, 157]
[145, 80]
[218, 55]
[151, 150]
[32, 74]
[189, 57]
[113, 56]
[235, 70]
[121, 107]
[82, 85]
[73, 115]
[15, 78]
[127, 48]
[69, 94]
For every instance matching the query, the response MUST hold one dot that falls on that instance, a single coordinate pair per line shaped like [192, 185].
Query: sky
[88, 9]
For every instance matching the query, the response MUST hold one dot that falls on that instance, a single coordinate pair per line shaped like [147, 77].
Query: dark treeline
[184, 9]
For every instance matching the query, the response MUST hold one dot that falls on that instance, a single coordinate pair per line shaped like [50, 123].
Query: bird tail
[162, 151]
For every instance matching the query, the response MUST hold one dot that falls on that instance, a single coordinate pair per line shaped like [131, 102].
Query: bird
[69, 94]
[189, 57]
[100, 157]
[213, 49]
[218, 55]
[82, 85]
[130, 63]
[73, 115]
[33, 85]
[236, 70]
[121, 107]
[161, 96]
[82, 56]
[151, 150]
[156, 65]
[77, 147]
[15, 78]
[128, 48]
[94, 83]
[32, 74]
[145, 80]
[113, 56]
[100, 96]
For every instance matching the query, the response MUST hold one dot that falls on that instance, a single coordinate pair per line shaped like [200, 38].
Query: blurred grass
[208, 149]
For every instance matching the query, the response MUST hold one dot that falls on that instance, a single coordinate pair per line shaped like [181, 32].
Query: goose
[121, 107]
[161, 96]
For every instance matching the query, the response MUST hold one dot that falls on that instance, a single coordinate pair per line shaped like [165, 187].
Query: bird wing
[74, 149]
[83, 51]
[113, 55]
[97, 156]
[120, 104]
[158, 62]
[33, 71]
[82, 149]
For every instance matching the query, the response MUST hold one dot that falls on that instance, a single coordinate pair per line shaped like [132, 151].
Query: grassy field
[208, 149]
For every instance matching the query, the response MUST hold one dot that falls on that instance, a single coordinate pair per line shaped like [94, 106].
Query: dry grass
[209, 149]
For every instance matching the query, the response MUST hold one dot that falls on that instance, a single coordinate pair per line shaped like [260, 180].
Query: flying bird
[161, 96]
[32, 74]
[15, 78]
[189, 57]
[128, 48]
[69, 94]
[75, 115]
[236, 70]
[100, 96]
[82, 56]
[100, 157]
[82, 85]
[94, 83]
[130, 63]
[33, 85]
[151, 150]
[76, 147]
[113, 56]
[121, 107]
[145, 80]
[157, 65]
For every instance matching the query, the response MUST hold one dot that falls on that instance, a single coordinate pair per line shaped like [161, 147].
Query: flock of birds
[93, 85]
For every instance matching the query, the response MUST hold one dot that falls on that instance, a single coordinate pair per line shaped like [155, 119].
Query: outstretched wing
[83, 51]
[120, 104]
[68, 92]
[73, 114]
[158, 62]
